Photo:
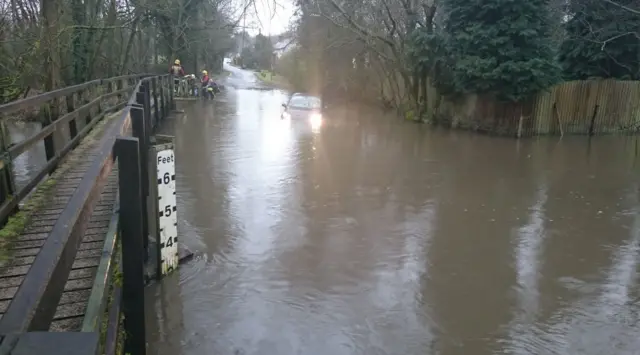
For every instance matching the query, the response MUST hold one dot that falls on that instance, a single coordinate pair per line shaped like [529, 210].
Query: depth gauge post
[164, 228]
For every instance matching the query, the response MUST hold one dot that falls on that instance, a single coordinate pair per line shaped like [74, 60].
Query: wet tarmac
[368, 235]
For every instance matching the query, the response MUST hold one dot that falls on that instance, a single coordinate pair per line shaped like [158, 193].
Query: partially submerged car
[301, 107]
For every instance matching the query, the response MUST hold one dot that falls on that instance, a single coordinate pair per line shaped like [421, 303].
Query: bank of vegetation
[518, 67]
[49, 44]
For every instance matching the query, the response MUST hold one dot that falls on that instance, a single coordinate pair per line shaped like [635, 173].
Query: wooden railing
[185, 87]
[68, 115]
[126, 143]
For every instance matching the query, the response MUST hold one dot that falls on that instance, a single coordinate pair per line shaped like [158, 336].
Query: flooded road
[373, 236]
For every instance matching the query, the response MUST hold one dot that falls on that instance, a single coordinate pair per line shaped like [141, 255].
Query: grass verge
[270, 78]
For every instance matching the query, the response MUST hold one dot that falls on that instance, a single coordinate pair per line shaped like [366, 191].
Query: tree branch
[634, 11]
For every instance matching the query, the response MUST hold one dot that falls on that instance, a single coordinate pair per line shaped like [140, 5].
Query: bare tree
[85, 39]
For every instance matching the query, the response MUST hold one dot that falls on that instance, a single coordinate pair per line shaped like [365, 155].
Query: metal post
[140, 131]
[130, 221]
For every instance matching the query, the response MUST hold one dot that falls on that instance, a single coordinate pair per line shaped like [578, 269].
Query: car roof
[305, 95]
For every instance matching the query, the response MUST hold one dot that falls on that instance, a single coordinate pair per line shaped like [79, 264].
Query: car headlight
[315, 119]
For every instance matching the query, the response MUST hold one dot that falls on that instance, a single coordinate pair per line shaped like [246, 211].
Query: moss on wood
[116, 281]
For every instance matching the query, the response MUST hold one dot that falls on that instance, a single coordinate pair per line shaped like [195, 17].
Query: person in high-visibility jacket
[178, 72]
[177, 69]
[204, 81]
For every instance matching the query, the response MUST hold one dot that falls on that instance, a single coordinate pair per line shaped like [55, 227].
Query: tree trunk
[112, 59]
[79, 50]
[424, 95]
[127, 51]
[50, 21]
[155, 45]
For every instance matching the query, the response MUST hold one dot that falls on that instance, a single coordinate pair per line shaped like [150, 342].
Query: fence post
[156, 112]
[167, 98]
[172, 84]
[7, 187]
[88, 98]
[163, 108]
[71, 106]
[130, 221]
[139, 129]
[154, 225]
[55, 141]
[146, 88]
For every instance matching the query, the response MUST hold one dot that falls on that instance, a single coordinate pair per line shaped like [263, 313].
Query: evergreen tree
[603, 41]
[500, 47]
[263, 51]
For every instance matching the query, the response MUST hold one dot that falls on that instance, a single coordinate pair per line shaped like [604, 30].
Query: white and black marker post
[167, 209]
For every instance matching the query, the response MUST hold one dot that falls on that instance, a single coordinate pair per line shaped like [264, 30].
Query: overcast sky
[273, 16]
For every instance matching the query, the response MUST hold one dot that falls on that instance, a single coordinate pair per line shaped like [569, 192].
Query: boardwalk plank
[66, 325]
[7, 293]
[82, 273]
[12, 281]
[25, 248]
[75, 296]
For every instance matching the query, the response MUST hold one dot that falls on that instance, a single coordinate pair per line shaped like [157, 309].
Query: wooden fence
[591, 107]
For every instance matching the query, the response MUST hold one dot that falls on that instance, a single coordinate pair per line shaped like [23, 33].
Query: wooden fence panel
[589, 107]
[585, 107]
[575, 107]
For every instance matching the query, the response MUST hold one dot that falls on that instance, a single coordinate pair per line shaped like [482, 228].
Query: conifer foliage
[500, 47]
[603, 41]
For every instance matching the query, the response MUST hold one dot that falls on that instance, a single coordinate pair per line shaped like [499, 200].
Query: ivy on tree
[500, 47]
[603, 41]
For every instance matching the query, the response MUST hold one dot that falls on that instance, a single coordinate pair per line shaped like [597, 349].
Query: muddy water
[27, 165]
[370, 236]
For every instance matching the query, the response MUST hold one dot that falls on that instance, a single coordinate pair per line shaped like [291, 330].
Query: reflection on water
[372, 236]
[29, 163]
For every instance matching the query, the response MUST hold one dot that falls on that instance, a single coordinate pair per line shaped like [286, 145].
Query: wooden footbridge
[78, 239]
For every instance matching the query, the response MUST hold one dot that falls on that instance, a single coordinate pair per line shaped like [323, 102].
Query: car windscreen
[305, 102]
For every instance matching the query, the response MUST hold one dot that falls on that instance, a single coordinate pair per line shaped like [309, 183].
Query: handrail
[104, 276]
[34, 304]
[39, 100]
[57, 142]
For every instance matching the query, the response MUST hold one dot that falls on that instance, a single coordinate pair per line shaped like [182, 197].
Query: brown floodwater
[372, 236]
